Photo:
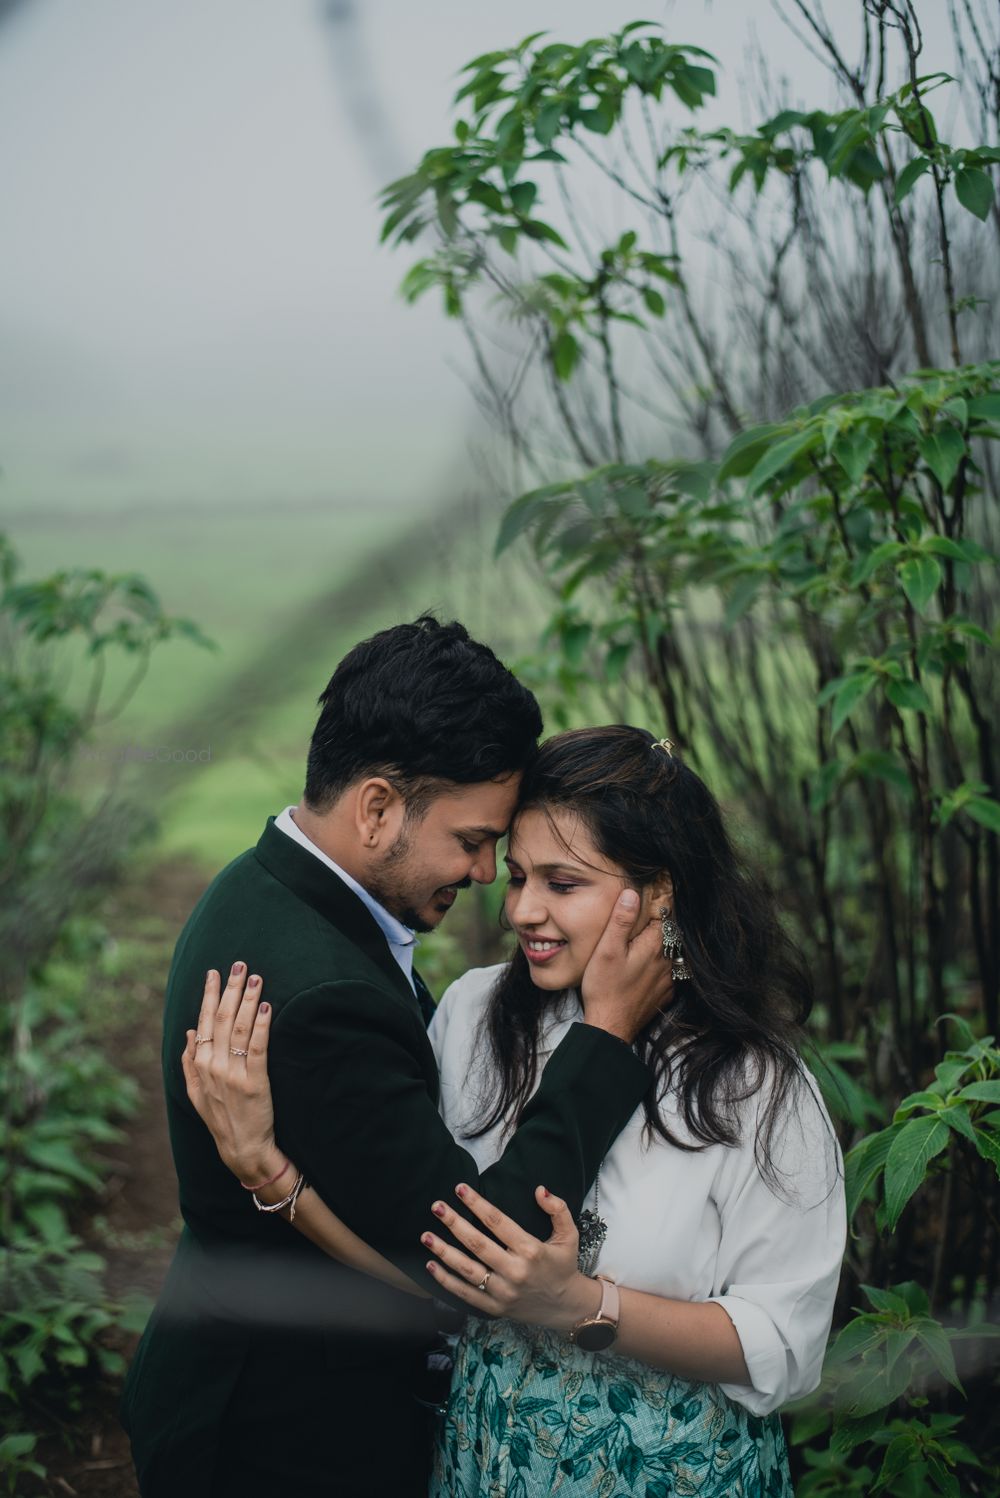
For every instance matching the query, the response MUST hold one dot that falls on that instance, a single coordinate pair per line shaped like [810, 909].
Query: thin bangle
[288, 1201]
[271, 1182]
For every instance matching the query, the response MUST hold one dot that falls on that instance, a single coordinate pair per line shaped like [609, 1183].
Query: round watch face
[596, 1335]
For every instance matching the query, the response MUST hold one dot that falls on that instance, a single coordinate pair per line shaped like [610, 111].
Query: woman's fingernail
[254, 981]
[209, 974]
[265, 1009]
[545, 1191]
[438, 1209]
[427, 1240]
[237, 969]
[431, 1267]
[461, 1190]
[629, 899]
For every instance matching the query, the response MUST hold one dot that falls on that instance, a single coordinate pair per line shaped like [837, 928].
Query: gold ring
[486, 1280]
[234, 1052]
[202, 1039]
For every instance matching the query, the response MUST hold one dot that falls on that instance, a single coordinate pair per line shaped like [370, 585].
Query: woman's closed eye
[559, 886]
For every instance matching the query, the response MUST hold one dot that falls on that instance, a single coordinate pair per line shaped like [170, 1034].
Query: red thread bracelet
[271, 1182]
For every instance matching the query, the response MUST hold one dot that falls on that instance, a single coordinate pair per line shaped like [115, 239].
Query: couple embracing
[602, 1163]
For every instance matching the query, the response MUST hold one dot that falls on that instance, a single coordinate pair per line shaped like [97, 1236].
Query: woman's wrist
[581, 1299]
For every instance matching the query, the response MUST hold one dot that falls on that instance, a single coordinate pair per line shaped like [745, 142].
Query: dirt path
[136, 1223]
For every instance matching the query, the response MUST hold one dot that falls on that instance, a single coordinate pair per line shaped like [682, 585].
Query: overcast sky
[192, 298]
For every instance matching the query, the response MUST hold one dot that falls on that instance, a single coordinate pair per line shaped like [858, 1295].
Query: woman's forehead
[554, 835]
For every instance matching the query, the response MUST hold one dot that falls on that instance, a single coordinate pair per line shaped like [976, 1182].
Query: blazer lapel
[309, 879]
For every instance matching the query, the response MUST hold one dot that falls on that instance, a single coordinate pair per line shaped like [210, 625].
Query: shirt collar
[400, 938]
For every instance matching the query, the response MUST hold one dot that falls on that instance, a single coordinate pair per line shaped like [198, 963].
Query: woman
[718, 1213]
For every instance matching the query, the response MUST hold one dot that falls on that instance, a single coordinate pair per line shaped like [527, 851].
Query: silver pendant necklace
[593, 1231]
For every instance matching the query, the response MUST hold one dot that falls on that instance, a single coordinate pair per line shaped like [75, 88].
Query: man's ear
[662, 894]
[373, 804]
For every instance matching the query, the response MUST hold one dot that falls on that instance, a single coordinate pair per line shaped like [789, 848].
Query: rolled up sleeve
[780, 1255]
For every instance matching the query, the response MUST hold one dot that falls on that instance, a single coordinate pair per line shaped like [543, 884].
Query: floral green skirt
[530, 1414]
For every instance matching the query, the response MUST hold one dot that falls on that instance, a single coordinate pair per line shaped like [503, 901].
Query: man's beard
[396, 897]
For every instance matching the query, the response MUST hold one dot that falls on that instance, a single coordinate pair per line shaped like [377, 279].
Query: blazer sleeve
[349, 1072]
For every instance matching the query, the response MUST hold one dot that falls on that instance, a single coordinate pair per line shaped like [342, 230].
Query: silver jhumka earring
[673, 946]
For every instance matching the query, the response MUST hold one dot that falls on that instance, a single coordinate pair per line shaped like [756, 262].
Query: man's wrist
[612, 1025]
[260, 1167]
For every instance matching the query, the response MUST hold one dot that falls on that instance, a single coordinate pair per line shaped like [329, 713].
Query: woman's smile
[540, 949]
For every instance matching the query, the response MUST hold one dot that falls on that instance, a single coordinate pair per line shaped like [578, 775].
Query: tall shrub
[806, 603]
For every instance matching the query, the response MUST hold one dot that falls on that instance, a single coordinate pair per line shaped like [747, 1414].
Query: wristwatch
[595, 1333]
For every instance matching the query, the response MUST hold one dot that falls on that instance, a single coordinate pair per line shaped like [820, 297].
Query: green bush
[59, 852]
[801, 589]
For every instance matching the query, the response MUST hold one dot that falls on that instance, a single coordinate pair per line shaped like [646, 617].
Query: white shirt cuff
[764, 1353]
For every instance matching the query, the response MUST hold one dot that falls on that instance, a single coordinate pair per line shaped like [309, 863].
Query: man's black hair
[419, 703]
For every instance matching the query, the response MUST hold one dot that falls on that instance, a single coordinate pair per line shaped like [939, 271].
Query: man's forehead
[483, 809]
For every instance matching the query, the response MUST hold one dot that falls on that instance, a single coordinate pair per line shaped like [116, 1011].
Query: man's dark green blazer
[263, 1355]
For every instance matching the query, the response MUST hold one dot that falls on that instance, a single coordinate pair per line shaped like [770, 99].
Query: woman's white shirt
[694, 1225]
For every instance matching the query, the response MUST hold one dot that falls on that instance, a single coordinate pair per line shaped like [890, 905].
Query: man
[266, 1368]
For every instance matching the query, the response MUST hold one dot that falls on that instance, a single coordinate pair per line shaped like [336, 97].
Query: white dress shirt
[402, 941]
[694, 1226]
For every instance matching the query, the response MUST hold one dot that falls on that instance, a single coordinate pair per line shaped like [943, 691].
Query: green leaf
[908, 695]
[780, 456]
[958, 1119]
[15, 1447]
[742, 596]
[616, 660]
[934, 1339]
[984, 811]
[854, 451]
[974, 190]
[59, 1157]
[523, 195]
[548, 122]
[982, 1092]
[910, 175]
[536, 229]
[825, 782]
[914, 1147]
[915, 1296]
[851, 692]
[988, 1145]
[863, 1163]
[860, 1336]
[921, 577]
[903, 1450]
[654, 301]
[565, 354]
[882, 764]
[744, 451]
[575, 639]
[528, 509]
[984, 408]
[869, 562]
[942, 451]
[909, 1105]
[888, 1302]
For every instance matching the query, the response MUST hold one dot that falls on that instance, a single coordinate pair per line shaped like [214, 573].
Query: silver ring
[486, 1280]
[234, 1052]
[202, 1040]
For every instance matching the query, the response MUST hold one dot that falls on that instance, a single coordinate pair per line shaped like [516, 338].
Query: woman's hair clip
[667, 745]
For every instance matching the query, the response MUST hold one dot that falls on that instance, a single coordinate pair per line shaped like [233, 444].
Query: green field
[284, 593]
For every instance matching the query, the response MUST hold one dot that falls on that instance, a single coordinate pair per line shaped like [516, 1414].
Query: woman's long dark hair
[738, 1019]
